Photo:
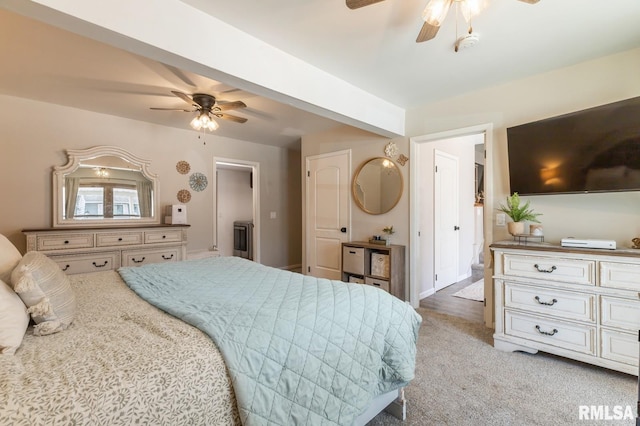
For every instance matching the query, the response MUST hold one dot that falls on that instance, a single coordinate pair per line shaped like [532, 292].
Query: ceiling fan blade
[530, 1]
[184, 97]
[230, 105]
[173, 109]
[427, 32]
[231, 118]
[356, 4]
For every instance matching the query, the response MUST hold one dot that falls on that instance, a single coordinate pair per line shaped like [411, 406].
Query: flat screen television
[594, 150]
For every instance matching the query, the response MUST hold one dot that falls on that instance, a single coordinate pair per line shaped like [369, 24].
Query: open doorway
[236, 207]
[471, 236]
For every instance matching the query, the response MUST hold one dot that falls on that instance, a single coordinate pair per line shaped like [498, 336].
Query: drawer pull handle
[66, 242]
[164, 236]
[101, 266]
[553, 302]
[546, 333]
[352, 252]
[167, 258]
[65, 268]
[120, 239]
[548, 271]
[137, 261]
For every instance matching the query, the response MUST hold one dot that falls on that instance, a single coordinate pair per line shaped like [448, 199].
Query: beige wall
[608, 79]
[35, 135]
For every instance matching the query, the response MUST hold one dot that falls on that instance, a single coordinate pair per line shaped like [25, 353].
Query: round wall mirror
[377, 185]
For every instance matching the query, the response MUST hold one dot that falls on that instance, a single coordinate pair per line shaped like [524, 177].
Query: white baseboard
[427, 293]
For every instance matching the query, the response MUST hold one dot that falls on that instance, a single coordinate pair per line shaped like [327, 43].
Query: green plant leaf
[518, 212]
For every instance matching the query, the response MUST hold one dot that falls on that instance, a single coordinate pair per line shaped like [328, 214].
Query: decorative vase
[515, 228]
[388, 241]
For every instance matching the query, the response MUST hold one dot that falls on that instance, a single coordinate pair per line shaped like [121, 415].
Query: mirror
[104, 186]
[377, 185]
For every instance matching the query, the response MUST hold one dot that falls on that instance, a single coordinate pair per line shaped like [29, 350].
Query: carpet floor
[462, 380]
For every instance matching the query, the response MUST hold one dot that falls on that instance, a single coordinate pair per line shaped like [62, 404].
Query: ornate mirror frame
[378, 165]
[75, 159]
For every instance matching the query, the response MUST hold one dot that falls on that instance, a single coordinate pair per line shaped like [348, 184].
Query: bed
[145, 351]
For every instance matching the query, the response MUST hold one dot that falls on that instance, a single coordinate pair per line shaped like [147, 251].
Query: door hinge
[436, 169]
[485, 302]
[418, 233]
[308, 173]
[436, 277]
[309, 269]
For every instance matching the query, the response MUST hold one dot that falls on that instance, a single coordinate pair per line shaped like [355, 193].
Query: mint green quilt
[300, 350]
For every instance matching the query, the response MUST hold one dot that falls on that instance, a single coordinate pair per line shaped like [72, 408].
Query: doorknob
[456, 228]
[343, 230]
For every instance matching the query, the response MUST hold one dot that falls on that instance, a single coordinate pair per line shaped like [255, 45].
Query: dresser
[582, 304]
[80, 250]
[373, 264]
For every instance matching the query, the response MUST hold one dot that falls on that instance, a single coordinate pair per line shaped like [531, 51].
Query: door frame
[414, 246]
[255, 169]
[305, 202]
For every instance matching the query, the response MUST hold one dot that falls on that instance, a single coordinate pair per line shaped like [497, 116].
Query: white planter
[515, 228]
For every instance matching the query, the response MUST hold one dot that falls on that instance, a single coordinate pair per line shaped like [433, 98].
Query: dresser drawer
[620, 313]
[64, 242]
[165, 236]
[564, 304]
[620, 275]
[84, 263]
[575, 271]
[353, 260]
[144, 257]
[575, 337]
[618, 346]
[118, 239]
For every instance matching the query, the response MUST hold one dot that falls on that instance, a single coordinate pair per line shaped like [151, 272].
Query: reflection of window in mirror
[116, 194]
[97, 201]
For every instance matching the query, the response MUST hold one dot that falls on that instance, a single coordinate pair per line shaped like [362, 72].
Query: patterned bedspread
[121, 362]
[300, 350]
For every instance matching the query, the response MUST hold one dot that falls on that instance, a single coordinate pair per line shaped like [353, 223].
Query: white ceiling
[372, 48]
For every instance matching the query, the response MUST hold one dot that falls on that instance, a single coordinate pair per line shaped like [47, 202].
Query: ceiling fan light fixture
[471, 8]
[436, 11]
[204, 121]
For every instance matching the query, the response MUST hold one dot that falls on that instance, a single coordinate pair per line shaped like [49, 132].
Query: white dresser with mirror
[80, 250]
[106, 214]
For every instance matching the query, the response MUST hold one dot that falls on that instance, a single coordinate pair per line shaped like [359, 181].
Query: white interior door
[328, 213]
[446, 216]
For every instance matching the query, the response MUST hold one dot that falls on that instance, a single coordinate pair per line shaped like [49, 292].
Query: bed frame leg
[398, 408]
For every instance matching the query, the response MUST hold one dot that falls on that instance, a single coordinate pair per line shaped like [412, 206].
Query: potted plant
[389, 231]
[519, 213]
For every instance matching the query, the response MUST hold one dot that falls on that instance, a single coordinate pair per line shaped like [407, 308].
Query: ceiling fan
[207, 108]
[434, 13]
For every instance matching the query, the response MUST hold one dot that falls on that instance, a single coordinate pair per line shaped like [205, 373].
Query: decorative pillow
[9, 258]
[14, 320]
[45, 289]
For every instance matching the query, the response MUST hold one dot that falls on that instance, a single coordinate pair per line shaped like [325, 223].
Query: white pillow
[14, 320]
[45, 289]
[9, 258]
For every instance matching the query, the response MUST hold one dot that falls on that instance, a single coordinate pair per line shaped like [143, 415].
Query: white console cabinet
[582, 304]
[80, 250]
